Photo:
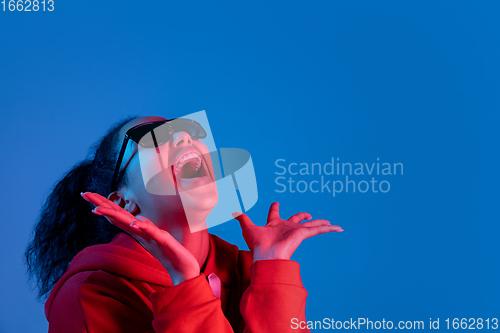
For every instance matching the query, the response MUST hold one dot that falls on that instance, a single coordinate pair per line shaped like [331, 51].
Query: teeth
[186, 157]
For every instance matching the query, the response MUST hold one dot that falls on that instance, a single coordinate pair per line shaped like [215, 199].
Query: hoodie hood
[126, 257]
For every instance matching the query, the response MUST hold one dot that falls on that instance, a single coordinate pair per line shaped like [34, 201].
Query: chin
[197, 209]
[200, 202]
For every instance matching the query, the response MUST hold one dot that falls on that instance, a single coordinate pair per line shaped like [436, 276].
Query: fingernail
[236, 214]
[96, 212]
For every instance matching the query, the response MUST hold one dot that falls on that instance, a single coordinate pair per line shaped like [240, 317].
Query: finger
[296, 218]
[134, 232]
[112, 221]
[274, 212]
[310, 232]
[88, 199]
[244, 220]
[161, 237]
[102, 201]
[95, 199]
[315, 223]
[122, 216]
[84, 196]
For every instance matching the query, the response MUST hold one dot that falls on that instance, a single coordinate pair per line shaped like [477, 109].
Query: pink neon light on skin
[159, 222]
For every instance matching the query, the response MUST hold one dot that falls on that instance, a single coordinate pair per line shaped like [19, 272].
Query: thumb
[244, 220]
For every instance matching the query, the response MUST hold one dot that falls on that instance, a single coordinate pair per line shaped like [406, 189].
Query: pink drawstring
[214, 282]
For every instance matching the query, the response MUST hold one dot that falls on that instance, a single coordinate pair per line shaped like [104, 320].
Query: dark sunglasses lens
[189, 126]
[143, 136]
[162, 132]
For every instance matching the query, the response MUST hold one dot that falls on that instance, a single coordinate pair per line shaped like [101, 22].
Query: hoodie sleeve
[274, 302]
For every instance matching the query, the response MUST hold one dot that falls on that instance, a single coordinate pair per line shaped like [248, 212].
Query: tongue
[189, 169]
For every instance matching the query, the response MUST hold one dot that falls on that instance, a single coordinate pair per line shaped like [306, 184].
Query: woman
[145, 271]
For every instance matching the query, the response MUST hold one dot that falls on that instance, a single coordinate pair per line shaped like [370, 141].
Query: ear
[132, 207]
[128, 204]
[117, 198]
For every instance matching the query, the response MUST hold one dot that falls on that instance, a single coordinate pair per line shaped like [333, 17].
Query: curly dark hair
[66, 225]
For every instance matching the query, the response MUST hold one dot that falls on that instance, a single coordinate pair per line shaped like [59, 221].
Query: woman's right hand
[180, 264]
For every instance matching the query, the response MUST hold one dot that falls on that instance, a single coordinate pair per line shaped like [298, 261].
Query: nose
[180, 138]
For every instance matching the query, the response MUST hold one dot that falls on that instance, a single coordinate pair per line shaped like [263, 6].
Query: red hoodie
[121, 287]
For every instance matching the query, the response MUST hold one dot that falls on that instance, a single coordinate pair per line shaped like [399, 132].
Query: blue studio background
[415, 83]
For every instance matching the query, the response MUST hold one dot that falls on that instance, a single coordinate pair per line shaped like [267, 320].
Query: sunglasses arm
[119, 162]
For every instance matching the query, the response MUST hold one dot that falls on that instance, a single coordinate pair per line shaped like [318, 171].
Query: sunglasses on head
[155, 133]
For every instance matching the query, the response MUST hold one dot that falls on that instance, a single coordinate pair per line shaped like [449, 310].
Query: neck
[198, 243]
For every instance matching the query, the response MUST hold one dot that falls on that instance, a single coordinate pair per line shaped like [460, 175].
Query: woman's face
[191, 188]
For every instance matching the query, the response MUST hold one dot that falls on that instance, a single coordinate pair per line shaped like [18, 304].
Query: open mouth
[192, 174]
[190, 170]
[190, 166]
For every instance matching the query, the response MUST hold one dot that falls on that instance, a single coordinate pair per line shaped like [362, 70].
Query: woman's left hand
[279, 238]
